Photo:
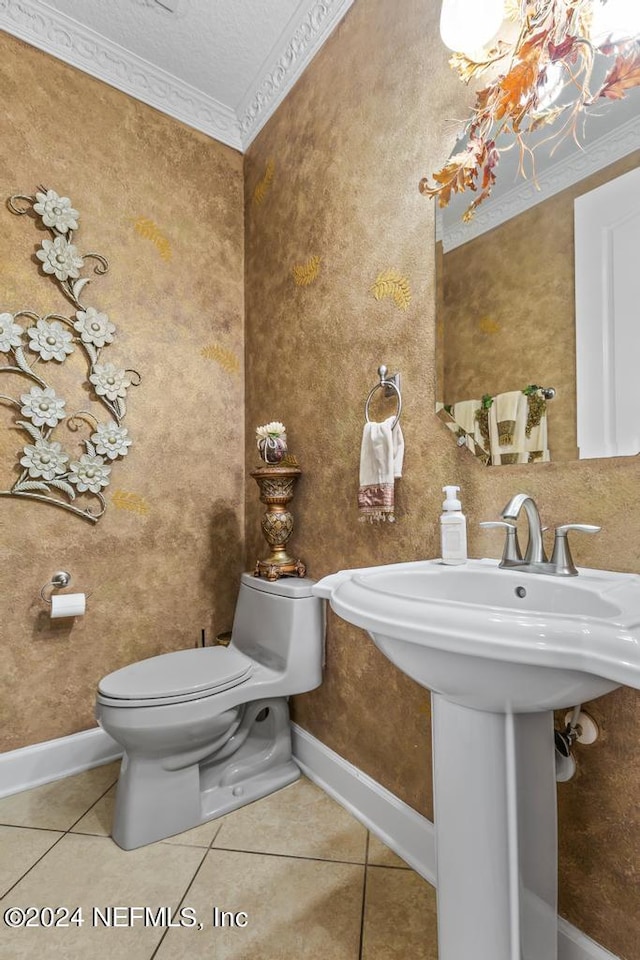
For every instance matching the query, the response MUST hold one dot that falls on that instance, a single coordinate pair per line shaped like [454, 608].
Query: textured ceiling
[222, 66]
[217, 46]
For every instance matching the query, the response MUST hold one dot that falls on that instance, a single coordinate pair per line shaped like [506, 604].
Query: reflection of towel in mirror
[536, 444]
[464, 414]
[507, 431]
[507, 419]
[381, 456]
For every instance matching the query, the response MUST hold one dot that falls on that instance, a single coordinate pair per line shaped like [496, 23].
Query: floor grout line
[91, 806]
[22, 826]
[181, 901]
[364, 898]
[63, 833]
[47, 851]
[388, 866]
[287, 856]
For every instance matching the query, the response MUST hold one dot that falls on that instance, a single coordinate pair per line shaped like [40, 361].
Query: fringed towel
[381, 458]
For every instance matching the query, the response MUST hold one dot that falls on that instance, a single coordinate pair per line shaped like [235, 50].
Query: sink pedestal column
[496, 833]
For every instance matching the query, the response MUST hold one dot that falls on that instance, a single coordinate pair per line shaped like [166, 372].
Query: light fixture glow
[551, 86]
[615, 20]
[468, 25]
[582, 53]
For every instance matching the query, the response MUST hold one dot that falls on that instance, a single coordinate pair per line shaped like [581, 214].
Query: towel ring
[391, 385]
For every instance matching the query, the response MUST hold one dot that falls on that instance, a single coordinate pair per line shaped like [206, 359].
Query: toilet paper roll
[68, 605]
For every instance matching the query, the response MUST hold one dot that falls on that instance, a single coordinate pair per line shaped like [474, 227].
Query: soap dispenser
[453, 528]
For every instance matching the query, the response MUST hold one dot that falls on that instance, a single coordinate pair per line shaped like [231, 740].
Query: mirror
[507, 290]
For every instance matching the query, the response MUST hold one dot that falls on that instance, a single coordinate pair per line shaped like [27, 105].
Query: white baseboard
[397, 824]
[573, 944]
[43, 762]
[406, 832]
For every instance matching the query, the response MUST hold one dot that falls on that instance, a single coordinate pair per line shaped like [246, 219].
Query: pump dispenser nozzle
[451, 502]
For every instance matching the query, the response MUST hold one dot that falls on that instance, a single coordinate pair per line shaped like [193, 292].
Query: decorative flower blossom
[60, 257]
[110, 381]
[111, 440]
[43, 407]
[271, 441]
[46, 459]
[94, 327]
[56, 211]
[9, 333]
[273, 429]
[89, 473]
[50, 340]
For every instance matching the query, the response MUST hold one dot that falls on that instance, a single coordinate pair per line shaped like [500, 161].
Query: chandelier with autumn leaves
[544, 63]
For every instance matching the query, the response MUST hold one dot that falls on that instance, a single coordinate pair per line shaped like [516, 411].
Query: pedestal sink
[499, 650]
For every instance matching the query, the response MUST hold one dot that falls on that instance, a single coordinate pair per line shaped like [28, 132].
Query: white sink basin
[498, 639]
[499, 650]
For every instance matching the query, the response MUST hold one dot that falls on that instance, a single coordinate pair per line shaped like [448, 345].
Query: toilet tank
[281, 625]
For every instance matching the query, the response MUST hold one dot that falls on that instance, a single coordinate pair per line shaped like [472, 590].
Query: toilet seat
[175, 677]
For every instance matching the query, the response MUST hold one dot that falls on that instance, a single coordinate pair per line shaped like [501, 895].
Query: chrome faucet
[535, 559]
[535, 547]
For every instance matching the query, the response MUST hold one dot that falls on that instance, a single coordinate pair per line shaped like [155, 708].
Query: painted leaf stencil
[132, 502]
[488, 325]
[220, 355]
[395, 285]
[151, 231]
[306, 273]
[262, 187]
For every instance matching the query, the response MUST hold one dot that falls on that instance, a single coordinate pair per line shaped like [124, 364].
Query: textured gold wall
[506, 323]
[334, 175]
[158, 576]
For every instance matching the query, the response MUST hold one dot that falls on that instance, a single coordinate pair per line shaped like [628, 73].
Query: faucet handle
[511, 553]
[561, 559]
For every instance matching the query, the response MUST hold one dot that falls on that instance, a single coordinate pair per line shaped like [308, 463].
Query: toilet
[205, 731]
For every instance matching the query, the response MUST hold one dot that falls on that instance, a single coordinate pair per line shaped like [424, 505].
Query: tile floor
[313, 882]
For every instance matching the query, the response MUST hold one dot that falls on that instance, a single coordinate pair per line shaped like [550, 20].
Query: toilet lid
[185, 674]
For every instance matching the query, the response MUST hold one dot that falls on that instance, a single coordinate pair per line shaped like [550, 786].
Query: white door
[607, 259]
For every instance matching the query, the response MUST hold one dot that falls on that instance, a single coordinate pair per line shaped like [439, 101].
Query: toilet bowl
[205, 731]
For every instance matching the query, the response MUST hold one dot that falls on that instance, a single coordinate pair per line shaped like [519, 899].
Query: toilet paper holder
[58, 581]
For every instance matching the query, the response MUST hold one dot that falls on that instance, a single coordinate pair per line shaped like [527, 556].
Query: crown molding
[307, 32]
[70, 41]
[566, 173]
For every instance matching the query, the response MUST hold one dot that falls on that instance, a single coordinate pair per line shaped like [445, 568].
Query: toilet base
[155, 800]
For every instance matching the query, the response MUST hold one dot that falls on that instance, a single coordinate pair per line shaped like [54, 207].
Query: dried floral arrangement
[50, 474]
[553, 49]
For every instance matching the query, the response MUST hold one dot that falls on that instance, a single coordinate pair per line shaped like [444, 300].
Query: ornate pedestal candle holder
[277, 484]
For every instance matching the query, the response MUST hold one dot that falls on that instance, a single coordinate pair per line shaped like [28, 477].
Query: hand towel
[381, 456]
[536, 444]
[507, 407]
[464, 413]
[507, 421]
[521, 449]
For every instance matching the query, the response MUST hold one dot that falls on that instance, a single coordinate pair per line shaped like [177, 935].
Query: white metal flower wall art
[69, 479]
